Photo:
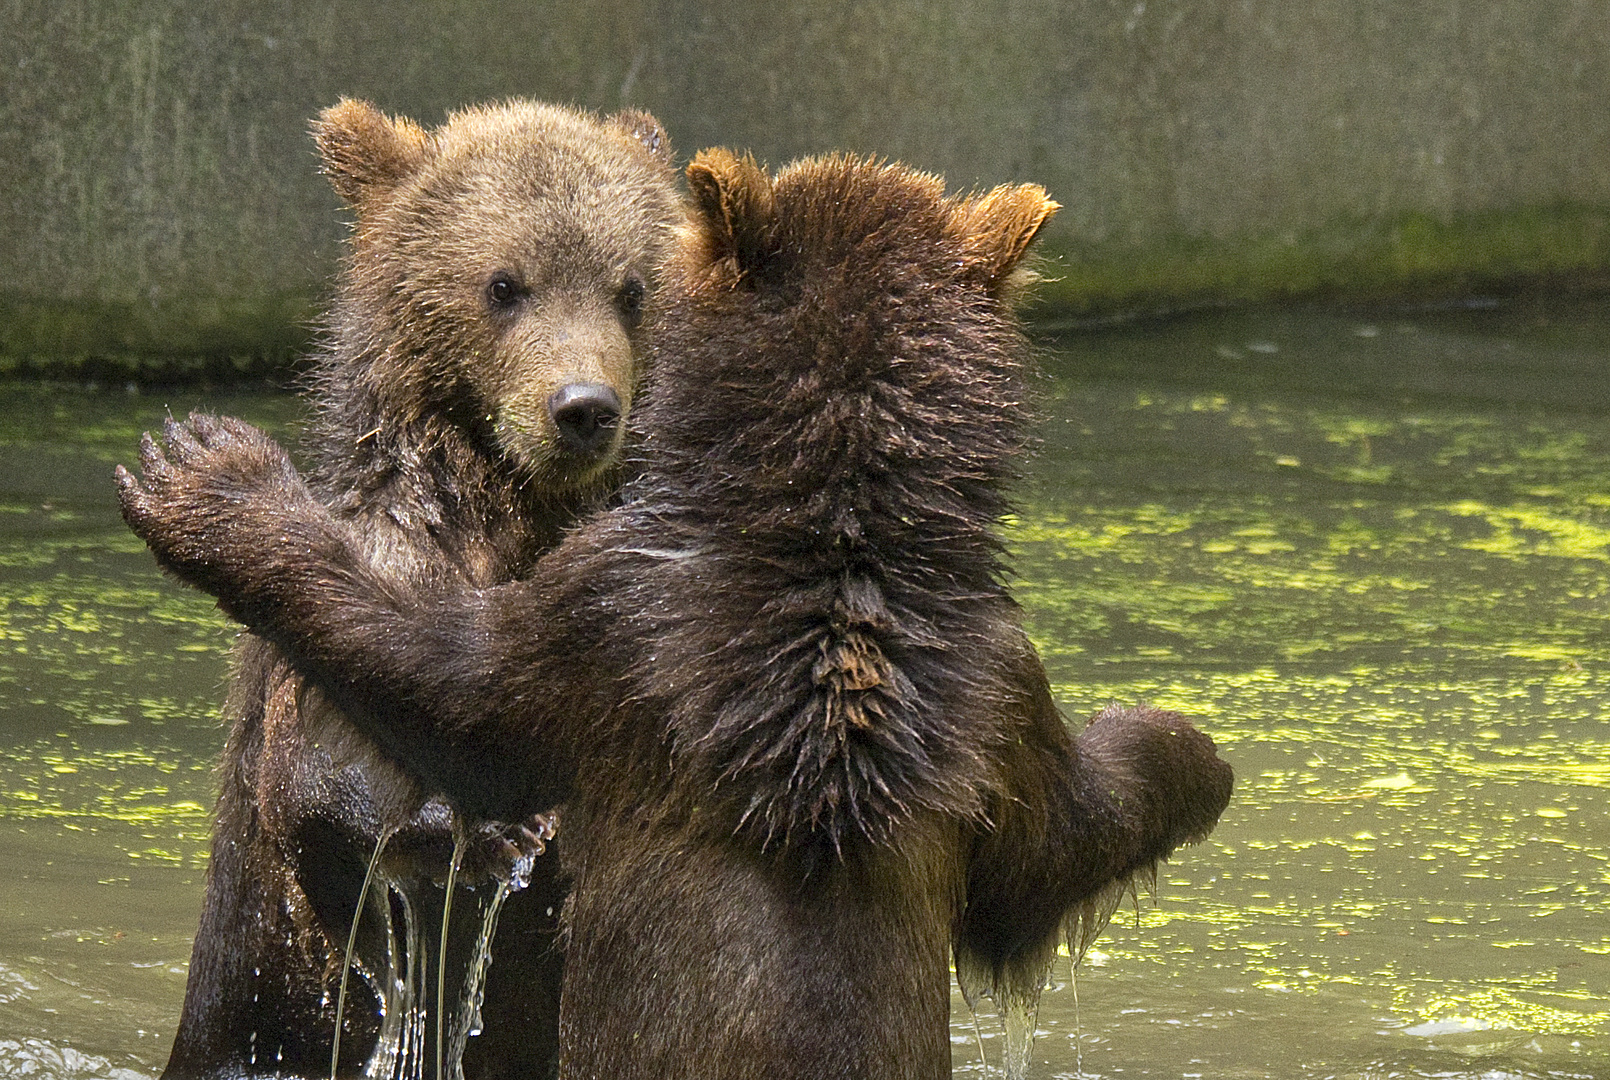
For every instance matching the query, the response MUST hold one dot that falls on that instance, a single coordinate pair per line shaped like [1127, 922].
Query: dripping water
[468, 1019]
[970, 979]
[352, 945]
[408, 1039]
[400, 1046]
[441, 951]
[1078, 1025]
[467, 1022]
[1085, 923]
[978, 1037]
[1019, 1012]
[386, 1063]
[399, 1051]
[1017, 1006]
[412, 1059]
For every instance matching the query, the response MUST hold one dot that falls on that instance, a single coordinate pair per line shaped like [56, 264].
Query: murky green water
[1372, 554]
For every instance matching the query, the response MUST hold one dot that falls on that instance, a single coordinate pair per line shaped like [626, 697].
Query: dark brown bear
[803, 746]
[482, 354]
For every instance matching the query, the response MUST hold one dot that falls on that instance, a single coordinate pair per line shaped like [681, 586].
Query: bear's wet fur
[469, 399]
[803, 748]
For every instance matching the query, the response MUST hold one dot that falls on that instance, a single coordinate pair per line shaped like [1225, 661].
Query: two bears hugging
[735, 630]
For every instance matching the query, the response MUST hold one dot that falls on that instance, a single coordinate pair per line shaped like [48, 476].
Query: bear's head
[500, 270]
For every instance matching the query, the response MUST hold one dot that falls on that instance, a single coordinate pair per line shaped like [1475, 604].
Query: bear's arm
[453, 683]
[1074, 819]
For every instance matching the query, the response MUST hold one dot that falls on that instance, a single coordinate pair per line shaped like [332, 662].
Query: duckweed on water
[1371, 556]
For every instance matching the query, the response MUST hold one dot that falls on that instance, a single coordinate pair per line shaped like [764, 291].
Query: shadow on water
[1371, 553]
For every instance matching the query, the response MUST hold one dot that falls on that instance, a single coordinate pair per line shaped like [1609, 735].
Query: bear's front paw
[509, 852]
[1168, 766]
[198, 488]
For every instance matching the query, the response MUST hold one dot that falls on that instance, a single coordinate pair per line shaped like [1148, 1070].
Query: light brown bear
[469, 401]
[805, 751]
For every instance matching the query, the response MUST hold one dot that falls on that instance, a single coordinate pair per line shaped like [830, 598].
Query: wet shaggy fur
[496, 261]
[803, 747]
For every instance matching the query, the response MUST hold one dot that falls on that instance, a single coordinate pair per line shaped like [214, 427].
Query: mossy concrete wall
[160, 192]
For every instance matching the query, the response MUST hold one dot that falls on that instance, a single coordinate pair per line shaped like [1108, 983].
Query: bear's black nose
[585, 414]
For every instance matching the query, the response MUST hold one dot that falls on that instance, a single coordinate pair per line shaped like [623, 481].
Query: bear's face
[509, 260]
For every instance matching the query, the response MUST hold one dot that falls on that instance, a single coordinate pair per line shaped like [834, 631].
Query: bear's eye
[632, 294]
[503, 290]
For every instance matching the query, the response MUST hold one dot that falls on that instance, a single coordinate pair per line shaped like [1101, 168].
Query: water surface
[1368, 552]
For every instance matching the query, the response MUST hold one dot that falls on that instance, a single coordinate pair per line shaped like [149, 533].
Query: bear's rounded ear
[646, 130]
[366, 152]
[733, 197]
[996, 228]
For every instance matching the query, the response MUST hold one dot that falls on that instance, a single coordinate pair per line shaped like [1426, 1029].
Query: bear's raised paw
[212, 496]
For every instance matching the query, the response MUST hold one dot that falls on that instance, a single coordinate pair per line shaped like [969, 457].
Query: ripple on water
[48, 1061]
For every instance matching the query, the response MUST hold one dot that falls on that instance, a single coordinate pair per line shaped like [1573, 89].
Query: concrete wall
[159, 191]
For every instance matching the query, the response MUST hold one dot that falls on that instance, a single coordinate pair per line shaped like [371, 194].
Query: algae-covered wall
[161, 195]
